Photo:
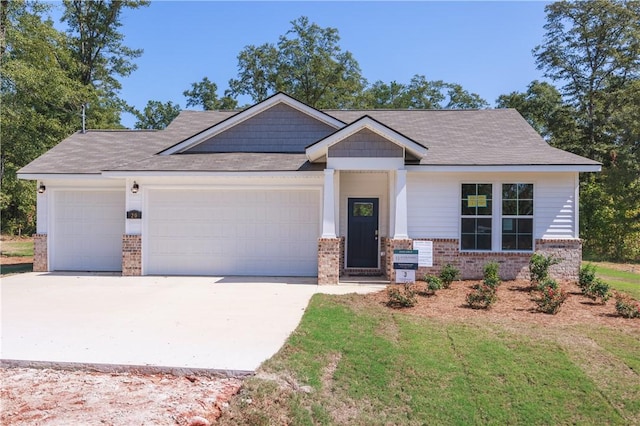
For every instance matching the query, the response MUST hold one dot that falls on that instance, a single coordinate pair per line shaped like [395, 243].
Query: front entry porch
[364, 217]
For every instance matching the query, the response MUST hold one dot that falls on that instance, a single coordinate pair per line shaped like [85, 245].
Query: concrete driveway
[231, 324]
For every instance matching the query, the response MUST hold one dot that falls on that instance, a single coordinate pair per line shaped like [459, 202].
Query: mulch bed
[515, 302]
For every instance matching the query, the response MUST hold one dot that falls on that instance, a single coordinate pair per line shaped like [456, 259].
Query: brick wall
[512, 265]
[329, 260]
[131, 255]
[40, 255]
[570, 251]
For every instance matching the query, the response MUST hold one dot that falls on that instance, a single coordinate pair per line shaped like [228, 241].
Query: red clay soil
[57, 397]
[515, 302]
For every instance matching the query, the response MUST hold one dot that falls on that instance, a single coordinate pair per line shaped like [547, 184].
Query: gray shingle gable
[280, 128]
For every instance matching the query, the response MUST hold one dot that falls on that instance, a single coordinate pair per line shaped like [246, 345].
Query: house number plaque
[134, 214]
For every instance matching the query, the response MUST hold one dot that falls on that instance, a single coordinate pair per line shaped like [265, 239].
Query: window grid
[476, 216]
[517, 217]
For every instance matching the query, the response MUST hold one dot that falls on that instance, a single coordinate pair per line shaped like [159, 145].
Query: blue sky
[484, 46]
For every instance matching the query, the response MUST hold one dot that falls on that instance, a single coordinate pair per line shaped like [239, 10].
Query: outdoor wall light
[135, 187]
[41, 188]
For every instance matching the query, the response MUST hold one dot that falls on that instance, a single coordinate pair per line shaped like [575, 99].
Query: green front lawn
[356, 362]
[626, 281]
[17, 248]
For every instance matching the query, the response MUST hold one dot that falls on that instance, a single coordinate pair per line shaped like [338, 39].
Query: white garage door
[87, 230]
[232, 232]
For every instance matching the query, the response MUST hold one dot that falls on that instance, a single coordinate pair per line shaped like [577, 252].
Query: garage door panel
[87, 230]
[232, 232]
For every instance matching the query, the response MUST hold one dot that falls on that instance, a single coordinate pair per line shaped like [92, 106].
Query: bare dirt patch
[515, 302]
[55, 397]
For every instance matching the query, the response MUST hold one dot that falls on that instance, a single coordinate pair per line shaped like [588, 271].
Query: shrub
[587, 275]
[598, 289]
[433, 283]
[546, 283]
[490, 275]
[482, 297]
[401, 296]
[448, 275]
[550, 300]
[539, 265]
[627, 306]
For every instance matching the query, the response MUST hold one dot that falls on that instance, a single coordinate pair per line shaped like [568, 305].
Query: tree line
[589, 105]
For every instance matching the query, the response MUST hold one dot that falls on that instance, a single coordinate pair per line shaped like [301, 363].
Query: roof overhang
[507, 168]
[41, 176]
[251, 112]
[320, 149]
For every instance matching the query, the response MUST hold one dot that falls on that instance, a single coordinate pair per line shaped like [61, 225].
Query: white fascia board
[318, 150]
[251, 112]
[43, 176]
[508, 168]
[365, 163]
[135, 174]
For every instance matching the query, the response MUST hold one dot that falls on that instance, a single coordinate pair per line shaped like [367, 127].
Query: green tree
[97, 44]
[421, 93]
[41, 101]
[543, 107]
[203, 94]
[306, 63]
[156, 115]
[593, 49]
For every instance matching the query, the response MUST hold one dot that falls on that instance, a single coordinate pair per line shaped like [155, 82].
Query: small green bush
[482, 297]
[591, 286]
[448, 275]
[598, 290]
[433, 283]
[550, 300]
[539, 265]
[587, 275]
[627, 306]
[491, 275]
[547, 283]
[401, 296]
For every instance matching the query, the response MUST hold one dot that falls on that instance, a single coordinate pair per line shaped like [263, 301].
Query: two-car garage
[192, 231]
[231, 232]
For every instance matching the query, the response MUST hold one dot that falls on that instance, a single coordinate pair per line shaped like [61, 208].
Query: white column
[328, 206]
[133, 202]
[401, 229]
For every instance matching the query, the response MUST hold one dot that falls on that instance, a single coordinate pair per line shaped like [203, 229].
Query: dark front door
[362, 234]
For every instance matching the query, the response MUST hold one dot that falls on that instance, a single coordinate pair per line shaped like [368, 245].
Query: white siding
[434, 211]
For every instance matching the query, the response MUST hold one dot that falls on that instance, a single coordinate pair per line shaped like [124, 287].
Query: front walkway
[230, 323]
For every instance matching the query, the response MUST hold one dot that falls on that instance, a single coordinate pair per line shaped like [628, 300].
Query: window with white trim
[517, 216]
[476, 216]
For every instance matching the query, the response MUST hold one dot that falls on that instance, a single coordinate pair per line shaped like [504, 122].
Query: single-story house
[284, 189]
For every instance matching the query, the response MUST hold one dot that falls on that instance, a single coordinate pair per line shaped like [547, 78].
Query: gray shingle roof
[453, 137]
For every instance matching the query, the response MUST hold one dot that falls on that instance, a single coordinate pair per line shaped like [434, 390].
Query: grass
[626, 281]
[17, 248]
[351, 362]
[16, 269]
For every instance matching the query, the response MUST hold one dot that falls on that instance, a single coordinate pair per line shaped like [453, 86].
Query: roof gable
[365, 143]
[370, 127]
[283, 114]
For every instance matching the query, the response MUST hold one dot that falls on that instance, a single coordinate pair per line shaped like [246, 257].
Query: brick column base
[40, 255]
[570, 253]
[390, 246]
[329, 260]
[131, 255]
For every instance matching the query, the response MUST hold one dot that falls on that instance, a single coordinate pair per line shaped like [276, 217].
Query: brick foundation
[329, 260]
[570, 251]
[131, 255]
[40, 254]
[470, 264]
